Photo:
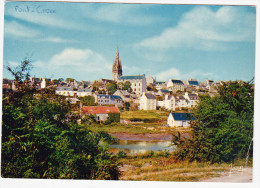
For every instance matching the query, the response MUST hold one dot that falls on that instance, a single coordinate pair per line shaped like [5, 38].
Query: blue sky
[79, 40]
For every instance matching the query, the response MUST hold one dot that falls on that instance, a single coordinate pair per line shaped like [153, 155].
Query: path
[244, 175]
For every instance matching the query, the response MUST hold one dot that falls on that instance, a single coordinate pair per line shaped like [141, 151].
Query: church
[138, 82]
[117, 67]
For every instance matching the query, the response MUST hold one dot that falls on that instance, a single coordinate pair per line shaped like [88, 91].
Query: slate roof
[182, 116]
[193, 96]
[177, 82]
[134, 77]
[110, 96]
[195, 83]
[165, 91]
[150, 96]
[64, 89]
[158, 83]
[84, 90]
[99, 110]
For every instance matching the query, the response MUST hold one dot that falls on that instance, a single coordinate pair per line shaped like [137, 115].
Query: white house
[175, 85]
[179, 119]
[193, 99]
[65, 91]
[138, 83]
[124, 94]
[147, 102]
[181, 102]
[84, 92]
[102, 99]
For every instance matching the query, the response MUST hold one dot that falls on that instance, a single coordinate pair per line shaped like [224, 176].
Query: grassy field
[143, 122]
[154, 115]
[161, 168]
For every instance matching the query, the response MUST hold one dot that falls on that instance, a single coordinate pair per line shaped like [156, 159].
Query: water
[136, 147]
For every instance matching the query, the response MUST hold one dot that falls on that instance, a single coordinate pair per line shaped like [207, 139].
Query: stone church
[117, 67]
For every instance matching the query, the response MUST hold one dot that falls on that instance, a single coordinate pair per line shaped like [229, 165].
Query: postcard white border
[133, 184]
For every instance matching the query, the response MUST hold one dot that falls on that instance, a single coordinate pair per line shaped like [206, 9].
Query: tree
[223, 125]
[111, 88]
[127, 85]
[39, 140]
[88, 101]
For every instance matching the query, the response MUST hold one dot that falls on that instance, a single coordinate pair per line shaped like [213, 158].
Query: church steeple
[117, 67]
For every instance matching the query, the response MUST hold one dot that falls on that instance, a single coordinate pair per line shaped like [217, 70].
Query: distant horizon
[164, 41]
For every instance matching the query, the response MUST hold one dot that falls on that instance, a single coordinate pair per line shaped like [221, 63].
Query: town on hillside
[130, 92]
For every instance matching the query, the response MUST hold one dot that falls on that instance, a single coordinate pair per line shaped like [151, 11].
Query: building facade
[138, 83]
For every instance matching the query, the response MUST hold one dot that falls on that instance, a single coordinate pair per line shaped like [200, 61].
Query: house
[147, 102]
[192, 98]
[124, 94]
[102, 99]
[175, 85]
[138, 83]
[65, 91]
[84, 92]
[193, 83]
[181, 102]
[150, 80]
[103, 113]
[179, 119]
[160, 85]
[163, 92]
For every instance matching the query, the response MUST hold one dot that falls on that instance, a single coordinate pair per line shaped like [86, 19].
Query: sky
[79, 40]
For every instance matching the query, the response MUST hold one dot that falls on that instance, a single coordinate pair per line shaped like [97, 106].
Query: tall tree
[223, 125]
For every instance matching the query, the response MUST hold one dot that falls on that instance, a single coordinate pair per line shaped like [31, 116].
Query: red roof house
[102, 112]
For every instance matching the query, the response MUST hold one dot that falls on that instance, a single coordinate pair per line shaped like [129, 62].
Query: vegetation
[87, 101]
[163, 166]
[40, 141]
[223, 129]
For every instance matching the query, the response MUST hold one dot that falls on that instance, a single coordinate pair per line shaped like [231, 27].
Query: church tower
[117, 67]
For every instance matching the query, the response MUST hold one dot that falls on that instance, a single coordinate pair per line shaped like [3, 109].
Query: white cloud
[56, 40]
[174, 73]
[17, 30]
[204, 29]
[79, 61]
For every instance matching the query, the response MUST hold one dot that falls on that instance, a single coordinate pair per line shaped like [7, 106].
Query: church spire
[117, 67]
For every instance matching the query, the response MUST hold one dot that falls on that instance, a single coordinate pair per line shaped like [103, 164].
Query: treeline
[223, 125]
[40, 141]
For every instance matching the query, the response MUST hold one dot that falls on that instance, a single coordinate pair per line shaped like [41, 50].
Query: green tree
[111, 88]
[126, 85]
[40, 141]
[223, 125]
[70, 79]
[88, 101]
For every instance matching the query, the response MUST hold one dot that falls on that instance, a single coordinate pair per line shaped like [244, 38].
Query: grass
[160, 168]
[142, 115]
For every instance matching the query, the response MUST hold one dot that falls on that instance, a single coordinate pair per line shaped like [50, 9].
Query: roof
[193, 96]
[177, 82]
[110, 96]
[64, 89]
[196, 83]
[100, 110]
[150, 96]
[134, 77]
[165, 91]
[157, 83]
[84, 90]
[182, 116]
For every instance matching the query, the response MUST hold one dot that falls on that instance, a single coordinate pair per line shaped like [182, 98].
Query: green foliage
[39, 140]
[70, 79]
[127, 85]
[223, 125]
[111, 88]
[88, 101]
